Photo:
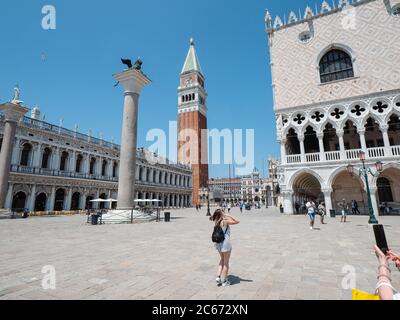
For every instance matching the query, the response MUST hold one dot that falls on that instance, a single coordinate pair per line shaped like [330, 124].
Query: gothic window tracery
[380, 107]
[299, 119]
[358, 110]
[337, 113]
[318, 116]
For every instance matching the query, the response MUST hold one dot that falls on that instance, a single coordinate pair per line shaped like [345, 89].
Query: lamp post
[208, 201]
[365, 171]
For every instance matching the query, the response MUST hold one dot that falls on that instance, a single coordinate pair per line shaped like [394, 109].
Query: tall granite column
[13, 113]
[133, 81]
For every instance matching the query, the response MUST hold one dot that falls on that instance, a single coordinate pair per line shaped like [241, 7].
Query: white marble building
[336, 86]
[53, 168]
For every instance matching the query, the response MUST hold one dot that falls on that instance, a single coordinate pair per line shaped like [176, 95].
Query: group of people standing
[313, 210]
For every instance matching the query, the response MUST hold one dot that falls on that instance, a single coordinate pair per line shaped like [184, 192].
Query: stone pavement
[274, 257]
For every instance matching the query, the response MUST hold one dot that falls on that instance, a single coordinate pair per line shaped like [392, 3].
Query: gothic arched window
[335, 65]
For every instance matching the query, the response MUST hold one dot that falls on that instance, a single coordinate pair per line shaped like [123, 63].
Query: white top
[396, 296]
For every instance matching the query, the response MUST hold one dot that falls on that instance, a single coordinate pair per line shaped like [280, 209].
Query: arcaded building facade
[336, 86]
[55, 169]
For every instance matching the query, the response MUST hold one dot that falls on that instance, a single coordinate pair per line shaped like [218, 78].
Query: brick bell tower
[192, 122]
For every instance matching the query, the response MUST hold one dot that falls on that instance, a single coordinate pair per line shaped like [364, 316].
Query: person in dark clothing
[354, 207]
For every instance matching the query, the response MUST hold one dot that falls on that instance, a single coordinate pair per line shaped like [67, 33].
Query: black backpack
[218, 235]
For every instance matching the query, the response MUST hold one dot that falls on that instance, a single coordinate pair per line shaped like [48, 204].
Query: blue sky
[74, 79]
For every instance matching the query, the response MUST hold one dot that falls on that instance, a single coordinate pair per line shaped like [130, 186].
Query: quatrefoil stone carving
[318, 116]
[337, 113]
[299, 119]
[380, 107]
[358, 110]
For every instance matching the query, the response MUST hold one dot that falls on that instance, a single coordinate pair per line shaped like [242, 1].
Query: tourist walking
[229, 207]
[344, 208]
[241, 207]
[322, 211]
[222, 225]
[311, 210]
[354, 207]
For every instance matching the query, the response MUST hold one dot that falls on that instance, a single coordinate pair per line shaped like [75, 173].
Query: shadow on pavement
[236, 280]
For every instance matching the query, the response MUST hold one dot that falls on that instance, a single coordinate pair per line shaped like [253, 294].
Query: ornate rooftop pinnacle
[277, 23]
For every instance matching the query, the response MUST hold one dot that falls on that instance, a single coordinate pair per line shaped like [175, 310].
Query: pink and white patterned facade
[336, 86]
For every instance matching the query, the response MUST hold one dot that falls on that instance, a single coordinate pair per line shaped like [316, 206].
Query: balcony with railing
[77, 175]
[59, 173]
[377, 153]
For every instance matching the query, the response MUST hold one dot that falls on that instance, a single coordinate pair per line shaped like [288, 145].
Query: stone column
[133, 81]
[50, 203]
[302, 149]
[37, 156]
[283, 150]
[328, 201]
[384, 130]
[56, 159]
[67, 202]
[16, 151]
[86, 164]
[363, 143]
[9, 197]
[321, 146]
[32, 198]
[341, 144]
[12, 114]
[109, 168]
[72, 162]
[287, 202]
[82, 201]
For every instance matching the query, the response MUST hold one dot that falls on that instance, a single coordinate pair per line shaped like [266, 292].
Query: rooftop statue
[17, 95]
[136, 66]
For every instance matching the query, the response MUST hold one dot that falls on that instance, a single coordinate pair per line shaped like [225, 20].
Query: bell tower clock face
[188, 82]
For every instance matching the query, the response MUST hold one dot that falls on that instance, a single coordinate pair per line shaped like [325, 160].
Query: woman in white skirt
[224, 248]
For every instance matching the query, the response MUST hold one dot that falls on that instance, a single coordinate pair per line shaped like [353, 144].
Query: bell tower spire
[192, 121]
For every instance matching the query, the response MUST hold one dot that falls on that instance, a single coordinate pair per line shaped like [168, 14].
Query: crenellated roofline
[276, 24]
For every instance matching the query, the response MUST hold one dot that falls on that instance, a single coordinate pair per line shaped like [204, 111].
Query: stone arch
[306, 185]
[393, 123]
[373, 132]
[19, 201]
[347, 187]
[373, 116]
[59, 199]
[311, 143]
[305, 171]
[75, 201]
[41, 202]
[351, 137]
[391, 173]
